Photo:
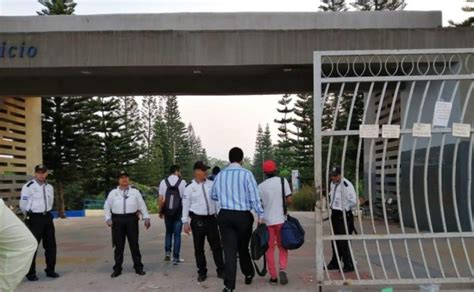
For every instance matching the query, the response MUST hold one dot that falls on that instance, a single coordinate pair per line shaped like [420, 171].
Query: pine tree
[333, 5]
[263, 151]
[195, 145]
[57, 7]
[60, 140]
[468, 22]
[58, 121]
[304, 144]
[149, 115]
[130, 133]
[377, 5]
[175, 144]
[284, 150]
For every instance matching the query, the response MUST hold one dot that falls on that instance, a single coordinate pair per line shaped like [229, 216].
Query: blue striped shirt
[235, 188]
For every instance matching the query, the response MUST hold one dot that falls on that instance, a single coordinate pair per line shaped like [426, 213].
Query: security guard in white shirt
[198, 205]
[342, 198]
[122, 210]
[37, 197]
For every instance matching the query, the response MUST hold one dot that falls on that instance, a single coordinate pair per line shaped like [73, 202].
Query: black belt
[39, 213]
[194, 215]
[125, 215]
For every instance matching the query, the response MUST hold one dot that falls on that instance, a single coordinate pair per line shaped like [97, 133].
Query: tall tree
[149, 116]
[333, 5]
[58, 120]
[57, 7]
[468, 22]
[377, 5]
[195, 146]
[263, 151]
[284, 150]
[304, 144]
[175, 144]
[130, 132]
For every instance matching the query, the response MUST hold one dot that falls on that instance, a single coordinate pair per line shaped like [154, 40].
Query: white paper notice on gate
[442, 113]
[421, 130]
[461, 130]
[391, 131]
[369, 131]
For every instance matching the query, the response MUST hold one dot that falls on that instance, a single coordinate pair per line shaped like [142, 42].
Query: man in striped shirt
[237, 193]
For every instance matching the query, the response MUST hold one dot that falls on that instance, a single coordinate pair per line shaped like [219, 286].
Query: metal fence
[399, 123]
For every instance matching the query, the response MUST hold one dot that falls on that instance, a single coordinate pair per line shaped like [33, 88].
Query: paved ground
[85, 259]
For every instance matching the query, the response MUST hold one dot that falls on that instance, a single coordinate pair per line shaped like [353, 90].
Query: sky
[241, 114]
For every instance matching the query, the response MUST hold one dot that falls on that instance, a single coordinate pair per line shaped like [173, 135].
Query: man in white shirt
[198, 205]
[17, 247]
[343, 198]
[170, 192]
[272, 191]
[37, 197]
[122, 210]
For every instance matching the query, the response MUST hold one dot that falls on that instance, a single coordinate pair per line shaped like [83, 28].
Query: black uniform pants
[236, 230]
[126, 226]
[202, 227]
[337, 220]
[42, 227]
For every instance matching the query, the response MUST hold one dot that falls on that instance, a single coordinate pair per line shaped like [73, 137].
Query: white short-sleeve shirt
[173, 179]
[271, 194]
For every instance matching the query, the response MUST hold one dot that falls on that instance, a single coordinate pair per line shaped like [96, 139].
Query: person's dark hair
[236, 155]
[270, 175]
[216, 170]
[174, 168]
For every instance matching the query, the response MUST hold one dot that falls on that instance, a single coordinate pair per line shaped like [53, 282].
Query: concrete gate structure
[186, 53]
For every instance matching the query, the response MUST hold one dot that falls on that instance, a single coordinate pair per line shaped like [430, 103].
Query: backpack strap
[178, 183]
[285, 211]
[263, 271]
[167, 182]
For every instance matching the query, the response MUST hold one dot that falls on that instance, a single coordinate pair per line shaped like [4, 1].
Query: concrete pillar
[34, 150]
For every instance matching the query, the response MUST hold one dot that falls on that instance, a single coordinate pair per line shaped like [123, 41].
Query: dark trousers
[236, 230]
[202, 227]
[337, 220]
[42, 227]
[126, 226]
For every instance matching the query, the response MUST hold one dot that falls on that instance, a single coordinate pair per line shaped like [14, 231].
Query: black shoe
[32, 278]
[141, 273]
[221, 275]
[227, 290]
[248, 280]
[115, 274]
[52, 275]
[283, 278]
[202, 278]
[273, 281]
[332, 266]
[348, 269]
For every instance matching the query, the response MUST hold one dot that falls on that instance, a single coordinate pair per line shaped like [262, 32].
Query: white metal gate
[399, 123]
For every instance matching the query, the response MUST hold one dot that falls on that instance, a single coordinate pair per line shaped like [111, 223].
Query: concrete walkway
[85, 259]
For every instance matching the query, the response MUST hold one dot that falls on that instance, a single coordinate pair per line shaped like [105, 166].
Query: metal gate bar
[429, 73]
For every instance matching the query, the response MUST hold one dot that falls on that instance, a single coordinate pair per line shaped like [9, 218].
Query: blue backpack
[292, 233]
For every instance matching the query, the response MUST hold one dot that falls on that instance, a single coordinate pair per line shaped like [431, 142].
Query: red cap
[269, 166]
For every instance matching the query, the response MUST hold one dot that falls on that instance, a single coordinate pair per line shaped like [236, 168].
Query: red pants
[275, 239]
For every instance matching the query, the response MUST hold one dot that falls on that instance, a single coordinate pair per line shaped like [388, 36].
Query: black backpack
[258, 247]
[173, 206]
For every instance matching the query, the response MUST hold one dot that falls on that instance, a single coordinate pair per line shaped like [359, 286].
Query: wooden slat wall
[13, 165]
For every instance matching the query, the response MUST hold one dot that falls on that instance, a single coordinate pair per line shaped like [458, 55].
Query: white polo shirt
[36, 197]
[197, 199]
[271, 194]
[343, 195]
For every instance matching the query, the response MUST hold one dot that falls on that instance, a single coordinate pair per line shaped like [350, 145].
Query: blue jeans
[173, 228]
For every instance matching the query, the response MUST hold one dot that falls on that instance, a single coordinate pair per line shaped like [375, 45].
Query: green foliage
[333, 5]
[263, 151]
[377, 5]
[303, 200]
[57, 7]
[149, 196]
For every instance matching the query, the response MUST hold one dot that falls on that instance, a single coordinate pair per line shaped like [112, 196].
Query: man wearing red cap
[272, 191]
